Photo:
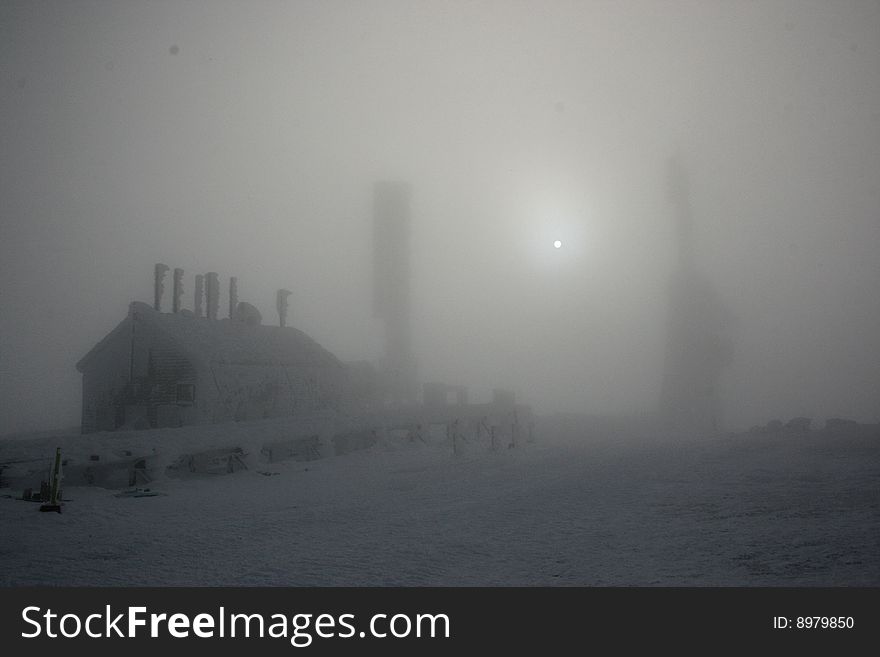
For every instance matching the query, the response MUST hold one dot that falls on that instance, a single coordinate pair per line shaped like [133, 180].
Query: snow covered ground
[574, 508]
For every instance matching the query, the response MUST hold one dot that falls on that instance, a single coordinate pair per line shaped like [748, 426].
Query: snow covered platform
[120, 459]
[577, 507]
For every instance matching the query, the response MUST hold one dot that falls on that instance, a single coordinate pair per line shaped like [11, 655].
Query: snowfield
[576, 507]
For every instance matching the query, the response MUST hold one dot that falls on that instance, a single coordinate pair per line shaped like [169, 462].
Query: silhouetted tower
[696, 349]
[391, 286]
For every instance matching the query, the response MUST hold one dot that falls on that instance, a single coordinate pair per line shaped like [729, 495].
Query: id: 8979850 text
[813, 623]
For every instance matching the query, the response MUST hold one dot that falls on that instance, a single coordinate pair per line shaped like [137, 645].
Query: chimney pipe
[158, 285]
[233, 296]
[281, 304]
[177, 290]
[200, 294]
[212, 292]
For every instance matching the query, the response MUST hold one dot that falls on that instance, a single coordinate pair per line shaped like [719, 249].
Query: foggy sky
[245, 138]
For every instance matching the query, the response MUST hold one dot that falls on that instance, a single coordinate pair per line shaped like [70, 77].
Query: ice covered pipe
[281, 304]
[200, 294]
[212, 292]
[177, 290]
[233, 296]
[159, 285]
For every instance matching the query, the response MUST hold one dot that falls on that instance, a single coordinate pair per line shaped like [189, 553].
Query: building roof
[224, 340]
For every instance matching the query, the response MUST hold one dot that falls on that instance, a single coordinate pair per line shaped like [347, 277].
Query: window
[186, 393]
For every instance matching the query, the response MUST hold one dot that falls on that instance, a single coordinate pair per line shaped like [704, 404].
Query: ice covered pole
[54, 501]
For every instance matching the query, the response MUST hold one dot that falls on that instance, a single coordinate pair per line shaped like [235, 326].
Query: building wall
[159, 369]
[133, 382]
[167, 404]
[240, 391]
[104, 384]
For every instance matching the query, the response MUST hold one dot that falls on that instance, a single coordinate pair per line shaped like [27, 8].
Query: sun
[557, 244]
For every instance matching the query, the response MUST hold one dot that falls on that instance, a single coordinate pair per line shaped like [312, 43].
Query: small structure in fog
[835, 423]
[798, 425]
[440, 395]
[773, 426]
[247, 314]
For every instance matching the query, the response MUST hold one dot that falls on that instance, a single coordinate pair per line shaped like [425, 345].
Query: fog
[246, 137]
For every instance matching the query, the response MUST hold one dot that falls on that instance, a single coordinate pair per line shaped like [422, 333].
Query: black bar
[518, 620]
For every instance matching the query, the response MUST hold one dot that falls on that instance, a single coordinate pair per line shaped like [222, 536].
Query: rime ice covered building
[160, 369]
